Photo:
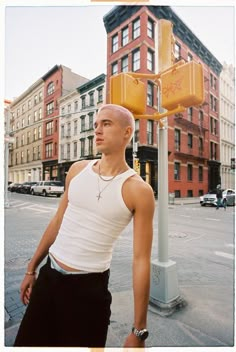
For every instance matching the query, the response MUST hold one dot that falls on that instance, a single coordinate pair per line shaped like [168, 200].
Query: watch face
[143, 335]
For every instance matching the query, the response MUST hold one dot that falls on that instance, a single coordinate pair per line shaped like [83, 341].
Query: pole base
[164, 293]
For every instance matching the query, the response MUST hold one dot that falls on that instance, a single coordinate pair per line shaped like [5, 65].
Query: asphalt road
[201, 242]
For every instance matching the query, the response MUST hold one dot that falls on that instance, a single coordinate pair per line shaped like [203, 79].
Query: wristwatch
[141, 334]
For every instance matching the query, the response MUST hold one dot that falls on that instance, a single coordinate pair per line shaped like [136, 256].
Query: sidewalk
[200, 323]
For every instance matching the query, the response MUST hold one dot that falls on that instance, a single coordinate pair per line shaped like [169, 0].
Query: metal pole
[6, 157]
[164, 293]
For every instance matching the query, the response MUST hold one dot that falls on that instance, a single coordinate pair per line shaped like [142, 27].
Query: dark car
[26, 187]
[13, 186]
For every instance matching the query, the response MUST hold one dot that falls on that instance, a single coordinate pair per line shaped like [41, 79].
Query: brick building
[57, 82]
[193, 136]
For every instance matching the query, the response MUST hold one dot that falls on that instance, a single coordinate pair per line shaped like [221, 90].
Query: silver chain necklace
[103, 179]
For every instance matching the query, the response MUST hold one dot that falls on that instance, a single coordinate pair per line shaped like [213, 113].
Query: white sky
[38, 37]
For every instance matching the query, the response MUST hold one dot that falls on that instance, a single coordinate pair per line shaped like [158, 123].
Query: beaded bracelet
[30, 273]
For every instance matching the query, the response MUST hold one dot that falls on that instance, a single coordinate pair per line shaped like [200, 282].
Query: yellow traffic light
[166, 43]
[182, 86]
[128, 92]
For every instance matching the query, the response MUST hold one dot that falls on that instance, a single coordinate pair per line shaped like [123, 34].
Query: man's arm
[48, 237]
[143, 233]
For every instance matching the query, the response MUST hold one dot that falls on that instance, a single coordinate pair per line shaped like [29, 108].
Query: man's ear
[128, 132]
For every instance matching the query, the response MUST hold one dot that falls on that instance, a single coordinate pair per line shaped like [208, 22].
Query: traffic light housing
[183, 86]
[128, 92]
[166, 42]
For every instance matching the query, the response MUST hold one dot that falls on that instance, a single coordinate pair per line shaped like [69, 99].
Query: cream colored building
[76, 124]
[227, 125]
[26, 125]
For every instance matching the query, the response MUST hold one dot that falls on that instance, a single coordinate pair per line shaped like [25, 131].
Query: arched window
[50, 88]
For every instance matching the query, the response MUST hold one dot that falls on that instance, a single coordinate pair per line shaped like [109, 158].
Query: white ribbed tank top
[90, 227]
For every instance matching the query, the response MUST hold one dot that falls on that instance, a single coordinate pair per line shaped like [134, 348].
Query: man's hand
[133, 341]
[26, 288]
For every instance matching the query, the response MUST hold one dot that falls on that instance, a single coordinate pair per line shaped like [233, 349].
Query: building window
[200, 116]
[189, 193]
[124, 64]
[29, 104]
[177, 193]
[50, 108]
[69, 129]
[114, 68]
[69, 108]
[40, 114]
[35, 116]
[63, 111]
[22, 157]
[82, 118]
[49, 128]
[190, 57]
[40, 96]
[34, 153]
[200, 173]
[150, 132]
[100, 94]
[62, 131]
[114, 40]
[177, 171]
[91, 120]
[35, 134]
[27, 155]
[16, 158]
[177, 140]
[91, 98]
[76, 106]
[177, 51]
[23, 108]
[190, 140]
[68, 151]
[75, 149]
[48, 150]
[23, 123]
[136, 60]
[75, 127]
[150, 60]
[83, 102]
[39, 152]
[39, 132]
[50, 88]
[90, 145]
[213, 150]
[213, 81]
[35, 99]
[28, 137]
[150, 28]
[150, 89]
[22, 140]
[124, 36]
[136, 28]
[213, 125]
[200, 146]
[82, 143]
[136, 132]
[190, 114]
[190, 172]
[62, 152]
[213, 103]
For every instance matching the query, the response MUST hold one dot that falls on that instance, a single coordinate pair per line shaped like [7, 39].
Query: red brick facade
[193, 136]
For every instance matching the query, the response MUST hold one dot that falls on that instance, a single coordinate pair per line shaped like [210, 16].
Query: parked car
[47, 188]
[13, 186]
[25, 187]
[210, 198]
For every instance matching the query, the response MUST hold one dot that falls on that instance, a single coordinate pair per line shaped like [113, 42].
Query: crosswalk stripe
[225, 255]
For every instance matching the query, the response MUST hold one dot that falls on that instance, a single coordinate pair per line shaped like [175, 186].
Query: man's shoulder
[136, 187]
[77, 167]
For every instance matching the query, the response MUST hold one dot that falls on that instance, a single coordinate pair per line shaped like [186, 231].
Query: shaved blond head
[124, 116]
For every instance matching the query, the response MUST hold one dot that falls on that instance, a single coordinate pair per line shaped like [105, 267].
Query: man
[219, 196]
[69, 303]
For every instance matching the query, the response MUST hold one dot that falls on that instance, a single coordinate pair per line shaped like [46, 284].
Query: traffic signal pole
[164, 293]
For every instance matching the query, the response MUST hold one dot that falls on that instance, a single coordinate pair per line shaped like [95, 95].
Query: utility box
[183, 85]
[128, 92]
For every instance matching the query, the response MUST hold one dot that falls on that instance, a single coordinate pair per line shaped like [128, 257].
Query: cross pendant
[99, 196]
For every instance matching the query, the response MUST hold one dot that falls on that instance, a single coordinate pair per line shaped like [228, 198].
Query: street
[201, 242]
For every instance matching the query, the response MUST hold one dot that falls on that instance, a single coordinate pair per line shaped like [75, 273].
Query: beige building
[227, 125]
[26, 125]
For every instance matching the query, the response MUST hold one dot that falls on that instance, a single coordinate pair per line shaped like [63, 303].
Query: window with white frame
[150, 28]
[50, 88]
[136, 28]
[125, 36]
[75, 149]
[75, 127]
[150, 60]
[114, 68]
[150, 90]
[136, 60]
[114, 41]
[124, 64]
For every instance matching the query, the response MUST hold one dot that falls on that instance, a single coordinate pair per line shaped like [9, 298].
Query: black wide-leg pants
[66, 310]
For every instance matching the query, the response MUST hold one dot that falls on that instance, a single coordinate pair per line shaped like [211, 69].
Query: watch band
[142, 334]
